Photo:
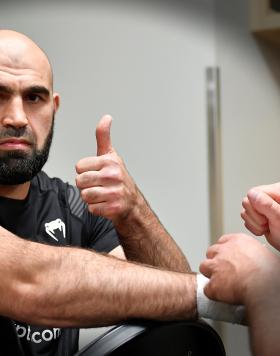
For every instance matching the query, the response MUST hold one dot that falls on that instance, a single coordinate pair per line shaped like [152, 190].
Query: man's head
[27, 108]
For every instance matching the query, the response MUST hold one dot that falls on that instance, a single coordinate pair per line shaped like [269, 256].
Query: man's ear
[56, 101]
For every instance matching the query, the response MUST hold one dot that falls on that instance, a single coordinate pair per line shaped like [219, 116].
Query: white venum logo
[54, 225]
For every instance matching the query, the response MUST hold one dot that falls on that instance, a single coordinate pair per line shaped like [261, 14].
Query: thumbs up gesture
[104, 181]
[261, 212]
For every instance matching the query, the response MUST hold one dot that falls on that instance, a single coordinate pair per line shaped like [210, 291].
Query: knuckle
[224, 238]
[113, 194]
[84, 194]
[210, 252]
[80, 180]
[109, 160]
[112, 174]
[87, 179]
[247, 225]
[115, 208]
[251, 190]
[258, 232]
[77, 181]
[243, 215]
[203, 267]
[209, 291]
[116, 174]
[245, 202]
[78, 167]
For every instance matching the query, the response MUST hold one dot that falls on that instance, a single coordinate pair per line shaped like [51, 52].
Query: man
[244, 271]
[79, 288]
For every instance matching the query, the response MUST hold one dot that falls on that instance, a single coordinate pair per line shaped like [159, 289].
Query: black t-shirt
[53, 213]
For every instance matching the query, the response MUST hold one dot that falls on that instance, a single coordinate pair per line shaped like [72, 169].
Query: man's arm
[109, 191]
[264, 320]
[67, 287]
[243, 271]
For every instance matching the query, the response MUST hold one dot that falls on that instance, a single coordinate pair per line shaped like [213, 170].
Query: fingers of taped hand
[252, 225]
[265, 205]
[210, 290]
[254, 215]
[224, 238]
[212, 251]
[206, 267]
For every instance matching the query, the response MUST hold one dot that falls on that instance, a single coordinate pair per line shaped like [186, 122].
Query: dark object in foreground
[275, 5]
[148, 338]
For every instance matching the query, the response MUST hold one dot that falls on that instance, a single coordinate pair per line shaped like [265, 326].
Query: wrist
[211, 309]
[136, 216]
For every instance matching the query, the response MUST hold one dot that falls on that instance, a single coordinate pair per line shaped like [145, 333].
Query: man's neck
[18, 191]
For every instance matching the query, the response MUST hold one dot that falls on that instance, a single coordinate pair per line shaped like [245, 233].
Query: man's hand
[103, 180]
[110, 192]
[261, 212]
[241, 270]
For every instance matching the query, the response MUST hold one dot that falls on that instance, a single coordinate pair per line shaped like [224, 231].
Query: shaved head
[27, 108]
[18, 51]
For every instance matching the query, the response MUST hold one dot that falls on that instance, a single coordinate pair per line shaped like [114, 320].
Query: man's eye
[34, 98]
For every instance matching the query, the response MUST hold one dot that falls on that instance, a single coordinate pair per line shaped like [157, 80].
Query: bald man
[65, 287]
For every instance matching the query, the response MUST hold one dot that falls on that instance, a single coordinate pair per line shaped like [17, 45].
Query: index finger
[93, 163]
[212, 251]
[206, 267]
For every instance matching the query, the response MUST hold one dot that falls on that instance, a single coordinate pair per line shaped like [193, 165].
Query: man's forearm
[67, 287]
[264, 322]
[264, 332]
[145, 240]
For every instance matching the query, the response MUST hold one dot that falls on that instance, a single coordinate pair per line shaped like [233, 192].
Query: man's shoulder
[46, 183]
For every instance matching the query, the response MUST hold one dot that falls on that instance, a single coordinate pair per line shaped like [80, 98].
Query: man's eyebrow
[37, 89]
[5, 89]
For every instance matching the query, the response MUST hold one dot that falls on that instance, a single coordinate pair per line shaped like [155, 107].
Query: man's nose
[14, 114]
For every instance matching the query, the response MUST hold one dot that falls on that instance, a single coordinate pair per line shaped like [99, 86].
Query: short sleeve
[98, 232]
[104, 237]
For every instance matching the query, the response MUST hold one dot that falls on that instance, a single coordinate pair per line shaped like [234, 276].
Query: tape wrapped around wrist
[210, 309]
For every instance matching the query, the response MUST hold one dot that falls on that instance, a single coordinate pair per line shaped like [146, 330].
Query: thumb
[103, 136]
[264, 205]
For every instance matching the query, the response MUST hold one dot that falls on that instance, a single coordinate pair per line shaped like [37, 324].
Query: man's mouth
[12, 144]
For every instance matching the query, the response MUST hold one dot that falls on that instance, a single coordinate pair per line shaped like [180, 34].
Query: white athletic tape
[210, 309]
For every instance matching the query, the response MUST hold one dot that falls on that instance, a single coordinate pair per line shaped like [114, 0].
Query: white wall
[250, 122]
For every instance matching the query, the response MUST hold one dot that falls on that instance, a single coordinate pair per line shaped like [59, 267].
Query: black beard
[17, 167]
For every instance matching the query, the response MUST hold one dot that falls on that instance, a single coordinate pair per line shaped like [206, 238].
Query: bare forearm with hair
[67, 287]
[145, 240]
